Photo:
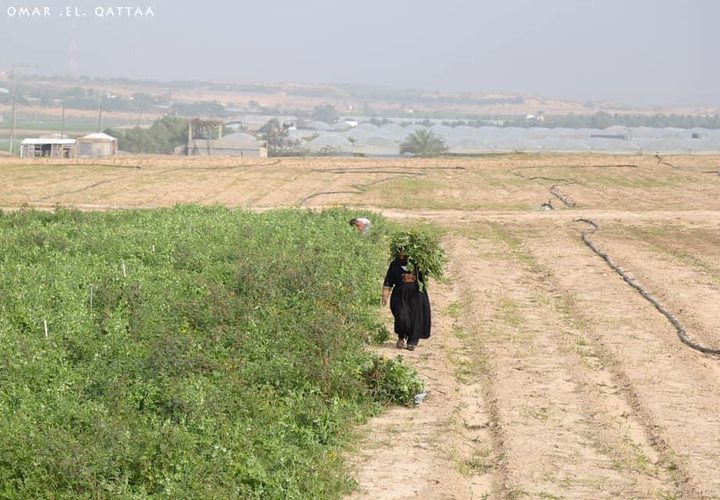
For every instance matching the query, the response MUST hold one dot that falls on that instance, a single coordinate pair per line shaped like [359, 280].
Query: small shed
[97, 145]
[52, 147]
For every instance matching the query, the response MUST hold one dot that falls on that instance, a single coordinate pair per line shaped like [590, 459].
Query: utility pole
[14, 101]
[62, 123]
[12, 119]
[99, 127]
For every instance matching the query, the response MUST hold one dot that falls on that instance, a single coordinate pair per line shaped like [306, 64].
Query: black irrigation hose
[109, 165]
[162, 172]
[344, 170]
[662, 161]
[555, 188]
[670, 317]
[229, 167]
[562, 197]
[63, 193]
[358, 188]
[361, 188]
[323, 193]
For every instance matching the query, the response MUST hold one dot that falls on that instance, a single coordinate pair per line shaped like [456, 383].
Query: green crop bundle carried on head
[423, 250]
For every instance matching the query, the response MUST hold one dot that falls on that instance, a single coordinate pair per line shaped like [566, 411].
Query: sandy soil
[548, 376]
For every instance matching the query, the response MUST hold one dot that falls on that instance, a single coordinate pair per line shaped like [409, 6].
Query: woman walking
[405, 286]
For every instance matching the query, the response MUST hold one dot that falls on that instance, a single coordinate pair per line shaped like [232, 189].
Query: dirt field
[548, 375]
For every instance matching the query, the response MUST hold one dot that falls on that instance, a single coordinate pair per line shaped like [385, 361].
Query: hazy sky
[644, 52]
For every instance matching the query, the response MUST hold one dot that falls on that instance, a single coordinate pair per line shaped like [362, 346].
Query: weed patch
[187, 352]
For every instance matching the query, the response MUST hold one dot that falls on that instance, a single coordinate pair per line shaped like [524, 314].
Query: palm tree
[423, 142]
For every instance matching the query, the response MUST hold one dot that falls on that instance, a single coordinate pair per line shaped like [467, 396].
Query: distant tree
[271, 124]
[601, 120]
[163, 136]
[279, 142]
[423, 142]
[169, 132]
[325, 113]
[379, 122]
[146, 101]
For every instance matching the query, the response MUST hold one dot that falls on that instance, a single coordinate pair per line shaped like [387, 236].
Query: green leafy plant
[393, 381]
[185, 352]
[425, 254]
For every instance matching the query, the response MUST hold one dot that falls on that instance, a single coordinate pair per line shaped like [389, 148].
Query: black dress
[410, 306]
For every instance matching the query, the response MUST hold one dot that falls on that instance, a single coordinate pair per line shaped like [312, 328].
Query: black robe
[409, 305]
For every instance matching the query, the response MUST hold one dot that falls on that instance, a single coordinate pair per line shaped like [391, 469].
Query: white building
[51, 147]
[97, 145]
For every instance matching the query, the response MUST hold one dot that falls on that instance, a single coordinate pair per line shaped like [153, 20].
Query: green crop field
[71, 125]
[186, 352]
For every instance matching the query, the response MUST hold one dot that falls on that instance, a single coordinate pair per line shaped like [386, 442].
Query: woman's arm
[389, 281]
[385, 294]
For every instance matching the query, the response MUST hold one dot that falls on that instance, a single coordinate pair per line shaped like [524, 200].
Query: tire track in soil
[672, 390]
[558, 417]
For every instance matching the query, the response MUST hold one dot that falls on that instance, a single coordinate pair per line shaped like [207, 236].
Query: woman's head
[401, 245]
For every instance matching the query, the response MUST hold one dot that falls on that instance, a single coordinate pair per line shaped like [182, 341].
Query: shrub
[392, 381]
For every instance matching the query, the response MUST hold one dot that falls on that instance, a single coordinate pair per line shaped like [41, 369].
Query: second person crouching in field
[409, 303]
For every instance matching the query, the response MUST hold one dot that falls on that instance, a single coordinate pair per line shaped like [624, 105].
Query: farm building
[239, 144]
[53, 147]
[97, 145]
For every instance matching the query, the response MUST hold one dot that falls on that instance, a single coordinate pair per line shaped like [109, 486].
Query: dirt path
[436, 449]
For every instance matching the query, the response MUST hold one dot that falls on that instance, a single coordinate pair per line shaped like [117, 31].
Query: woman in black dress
[409, 302]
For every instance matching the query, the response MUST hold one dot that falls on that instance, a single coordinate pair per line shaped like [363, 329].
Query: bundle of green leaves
[425, 254]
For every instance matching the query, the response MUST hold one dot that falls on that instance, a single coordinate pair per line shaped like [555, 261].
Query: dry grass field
[548, 375]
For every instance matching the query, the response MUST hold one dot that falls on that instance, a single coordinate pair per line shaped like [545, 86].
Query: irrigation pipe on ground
[361, 188]
[555, 188]
[646, 295]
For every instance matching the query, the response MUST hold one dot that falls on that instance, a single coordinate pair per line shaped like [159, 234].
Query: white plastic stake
[124, 271]
[46, 331]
